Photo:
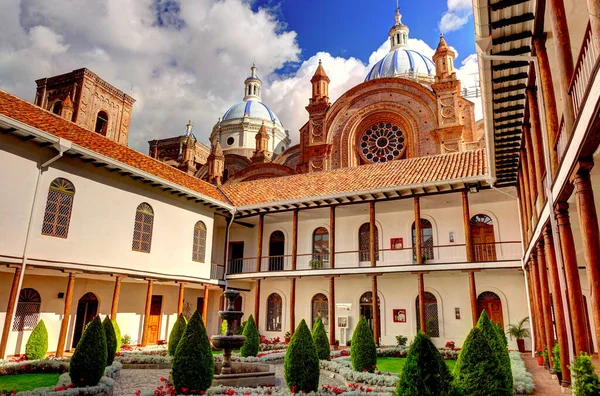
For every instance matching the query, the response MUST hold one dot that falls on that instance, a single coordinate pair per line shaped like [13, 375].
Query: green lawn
[25, 382]
[219, 352]
[395, 365]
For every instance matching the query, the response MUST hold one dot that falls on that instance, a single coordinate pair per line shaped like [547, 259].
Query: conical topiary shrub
[37, 344]
[425, 372]
[363, 351]
[89, 360]
[193, 364]
[301, 365]
[498, 344]
[477, 371]
[319, 336]
[111, 340]
[252, 344]
[176, 333]
[117, 333]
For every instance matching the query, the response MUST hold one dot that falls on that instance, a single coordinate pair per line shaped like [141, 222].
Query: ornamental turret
[253, 86]
[398, 33]
[444, 62]
[261, 153]
[188, 150]
[216, 164]
[320, 86]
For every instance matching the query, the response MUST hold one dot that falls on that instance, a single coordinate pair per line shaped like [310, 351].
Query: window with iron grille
[320, 309]
[28, 310]
[142, 231]
[364, 244]
[59, 205]
[431, 315]
[426, 239]
[199, 248]
[321, 244]
[274, 308]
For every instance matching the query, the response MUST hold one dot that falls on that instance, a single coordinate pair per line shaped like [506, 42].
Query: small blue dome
[252, 109]
[402, 61]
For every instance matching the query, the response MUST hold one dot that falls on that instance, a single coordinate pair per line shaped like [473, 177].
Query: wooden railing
[217, 271]
[561, 140]
[586, 61]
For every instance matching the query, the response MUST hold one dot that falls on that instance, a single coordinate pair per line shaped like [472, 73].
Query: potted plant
[539, 355]
[287, 337]
[556, 363]
[315, 264]
[336, 345]
[519, 332]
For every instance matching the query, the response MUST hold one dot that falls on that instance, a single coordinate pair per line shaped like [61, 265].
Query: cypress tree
[117, 333]
[498, 343]
[176, 333]
[89, 360]
[193, 364]
[301, 364]
[363, 351]
[111, 340]
[252, 344]
[319, 336]
[37, 344]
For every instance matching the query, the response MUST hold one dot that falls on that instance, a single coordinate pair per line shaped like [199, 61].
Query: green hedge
[363, 351]
[586, 382]
[89, 360]
[37, 344]
[319, 336]
[499, 345]
[301, 365]
[111, 340]
[193, 364]
[176, 333]
[252, 344]
[117, 333]
[425, 372]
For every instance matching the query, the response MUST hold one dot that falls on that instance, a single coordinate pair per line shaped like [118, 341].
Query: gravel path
[147, 380]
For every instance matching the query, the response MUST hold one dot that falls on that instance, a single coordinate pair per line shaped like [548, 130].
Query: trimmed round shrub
[117, 333]
[252, 344]
[193, 364]
[499, 344]
[37, 344]
[363, 351]
[301, 365]
[425, 372]
[89, 360]
[176, 333]
[477, 370]
[111, 340]
[319, 336]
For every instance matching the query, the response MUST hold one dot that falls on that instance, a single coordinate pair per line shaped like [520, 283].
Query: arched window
[484, 241]
[490, 303]
[320, 309]
[431, 315]
[142, 230]
[199, 247]
[59, 205]
[276, 251]
[28, 310]
[426, 239]
[274, 306]
[320, 246]
[101, 123]
[57, 108]
[364, 235]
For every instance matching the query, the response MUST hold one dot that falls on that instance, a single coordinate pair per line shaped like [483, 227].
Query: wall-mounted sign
[342, 321]
[399, 315]
[396, 244]
[451, 237]
[457, 313]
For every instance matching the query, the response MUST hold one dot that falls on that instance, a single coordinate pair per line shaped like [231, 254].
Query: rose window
[381, 143]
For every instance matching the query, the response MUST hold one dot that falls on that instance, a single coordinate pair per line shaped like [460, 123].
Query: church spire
[253, 85]
[399, 32]
[320, 85]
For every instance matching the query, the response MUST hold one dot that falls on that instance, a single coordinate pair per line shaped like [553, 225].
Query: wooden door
[491, 304]
[154, 320]
[87, 309]
[484, 240]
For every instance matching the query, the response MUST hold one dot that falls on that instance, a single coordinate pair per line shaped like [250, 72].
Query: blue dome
[402, 62]
[252, 109]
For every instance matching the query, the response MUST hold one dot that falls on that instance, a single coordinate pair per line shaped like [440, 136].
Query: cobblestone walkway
[544, 384]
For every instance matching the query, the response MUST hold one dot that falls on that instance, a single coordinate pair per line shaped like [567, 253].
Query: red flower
[138, 392]
[184, 390]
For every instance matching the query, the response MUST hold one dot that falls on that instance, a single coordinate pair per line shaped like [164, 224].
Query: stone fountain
[237, 373]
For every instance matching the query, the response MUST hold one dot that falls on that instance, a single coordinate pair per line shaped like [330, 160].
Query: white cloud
[457, 15]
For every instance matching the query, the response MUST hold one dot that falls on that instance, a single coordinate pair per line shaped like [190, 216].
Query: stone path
[544, 384]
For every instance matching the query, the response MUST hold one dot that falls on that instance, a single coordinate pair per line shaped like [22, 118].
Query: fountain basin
[245, 374]
[228, 342]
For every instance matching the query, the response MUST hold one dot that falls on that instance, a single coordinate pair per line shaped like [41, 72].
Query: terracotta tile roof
[361, 178]
[30, 114]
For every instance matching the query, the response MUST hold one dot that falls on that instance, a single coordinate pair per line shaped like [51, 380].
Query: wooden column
[525, 221]
[332, 318]
[564, 58]
[261, 221]
[473, 297]
[422, 323]
[533, 191]
[12, 299]
[467, 225]
[64, 324]
[545, 82]
[375, 309]
[537, 295]
[594, 14]
[545, 298]
[557, 305]
[257, 303]
[536, 140]
[590, 235]
[533, 319]
[205, 305]
[332, 237]
[292, 305]
[417, 247]
[294, 239]
[114, 308]
[575, 297]
[528, 191]
[180, 299]
[147, 312]
[372, 235]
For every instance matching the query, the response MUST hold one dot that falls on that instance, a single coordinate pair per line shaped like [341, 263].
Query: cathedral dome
[402, 62]
[253, 109]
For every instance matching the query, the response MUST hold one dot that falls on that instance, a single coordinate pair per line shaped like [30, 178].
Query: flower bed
[343, 367]
[34, 366]
[522, 379]
[272, 347]
[141, 358]
[148, 350]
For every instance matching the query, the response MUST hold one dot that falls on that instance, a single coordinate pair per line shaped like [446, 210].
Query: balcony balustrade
[217, 271]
